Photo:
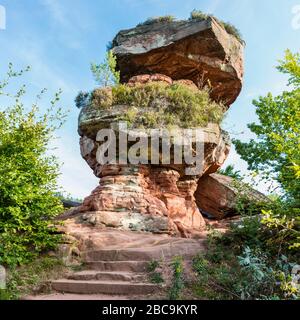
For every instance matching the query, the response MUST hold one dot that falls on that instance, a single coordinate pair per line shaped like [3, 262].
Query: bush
[156, 105]
[82, 99]
[230, 28]
[161, 19]
[230, 171]
[28, 177]
[105, 73]
[32, 277]
[275, 153]
[177, 280]
[233, 270]
[284, 221]
[198, 15]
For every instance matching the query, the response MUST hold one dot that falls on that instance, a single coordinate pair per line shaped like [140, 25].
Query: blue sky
[59, 39]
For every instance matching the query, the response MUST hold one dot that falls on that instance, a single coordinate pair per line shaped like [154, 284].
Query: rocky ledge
[198, 50]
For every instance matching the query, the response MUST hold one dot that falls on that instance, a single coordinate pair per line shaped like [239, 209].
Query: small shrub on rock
[152, 20]
[156, 105]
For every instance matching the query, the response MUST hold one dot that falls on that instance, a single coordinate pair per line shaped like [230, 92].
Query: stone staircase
[115, 265]
[109, 272]
[120, 271]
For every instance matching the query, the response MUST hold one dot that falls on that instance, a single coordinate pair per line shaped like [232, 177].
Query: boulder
[217, 195]
[198, 50]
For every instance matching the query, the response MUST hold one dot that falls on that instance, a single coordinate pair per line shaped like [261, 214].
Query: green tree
[230, 171]
[28, 175]
[105, 73]
[276, 152]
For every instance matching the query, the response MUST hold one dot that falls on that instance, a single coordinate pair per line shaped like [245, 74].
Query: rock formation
[217, 195]
[160, 198]
[201, 51]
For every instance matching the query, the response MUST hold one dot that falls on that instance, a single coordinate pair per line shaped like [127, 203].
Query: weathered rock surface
[201, 51]
[153, 198]
[144, 198]
[217, 195]
[116, 264]
[216, 142]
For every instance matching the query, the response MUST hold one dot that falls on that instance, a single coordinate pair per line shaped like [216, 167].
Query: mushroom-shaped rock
[197, 50]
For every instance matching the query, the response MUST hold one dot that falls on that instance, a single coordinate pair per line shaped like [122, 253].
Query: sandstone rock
[187, 83]
[201, 51]
[217, 195]
[98, 238]
[145, 78]
[155, 198]
[159, 198]
[216, 141]
[144, 198]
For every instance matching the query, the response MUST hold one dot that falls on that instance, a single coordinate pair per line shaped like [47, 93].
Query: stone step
[73, 296]
[120, 255]
[125, 266]
[104, 287]
[143, 254]
[106, 275]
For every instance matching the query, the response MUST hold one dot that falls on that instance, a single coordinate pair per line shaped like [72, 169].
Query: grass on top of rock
[157, 105]
[196, 15]
[230, 28]
[152, 20]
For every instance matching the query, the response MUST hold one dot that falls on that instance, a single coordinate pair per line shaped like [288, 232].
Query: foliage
[291, 66]
[198, 15]
[233, 30]
[233, 270]
[64, 196]
[276, 152]
[161, 19]
[154, 275]
[82, 99]
[285, 224]
[230, 171]
[28, 176]
[256, 257]
[102, 97]
[153, 265]
[159, 105]
[230, 28]
[26, 279]
[177, 279]
[105, 73]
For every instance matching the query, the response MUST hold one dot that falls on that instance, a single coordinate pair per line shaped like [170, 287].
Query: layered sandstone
[218, 195]
[200, 51]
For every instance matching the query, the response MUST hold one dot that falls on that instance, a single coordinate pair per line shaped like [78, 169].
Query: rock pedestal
[144, 198]
[159, 198]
